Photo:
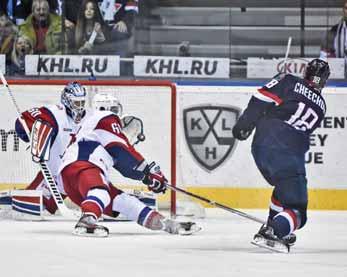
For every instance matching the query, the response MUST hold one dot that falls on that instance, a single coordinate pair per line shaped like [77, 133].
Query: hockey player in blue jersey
[284, 113]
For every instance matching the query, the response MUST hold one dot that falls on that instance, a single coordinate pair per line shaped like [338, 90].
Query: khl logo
[208, 132]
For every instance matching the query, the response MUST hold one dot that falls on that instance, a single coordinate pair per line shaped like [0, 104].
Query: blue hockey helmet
[317, 72]
[74, 97]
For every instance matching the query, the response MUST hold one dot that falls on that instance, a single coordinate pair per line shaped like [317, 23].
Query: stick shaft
[287, 54]
[215, 204]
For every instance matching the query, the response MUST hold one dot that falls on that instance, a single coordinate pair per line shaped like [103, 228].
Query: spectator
[120, 15]
[71, 8]
[91, 29]
[22, 46]
[44, 29]
[335, 43]
[8, 32]
[22, 9]
[8, 7]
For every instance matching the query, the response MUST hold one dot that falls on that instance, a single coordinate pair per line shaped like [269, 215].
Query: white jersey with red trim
[102, 143]
[65, 130]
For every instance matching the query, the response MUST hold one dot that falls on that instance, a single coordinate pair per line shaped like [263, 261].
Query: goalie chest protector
[65, 134]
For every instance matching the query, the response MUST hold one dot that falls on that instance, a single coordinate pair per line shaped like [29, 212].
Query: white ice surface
[222, 248]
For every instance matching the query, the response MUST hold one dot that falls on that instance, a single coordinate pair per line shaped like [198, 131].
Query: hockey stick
[215, 204]
[65, 212]
[287, 54]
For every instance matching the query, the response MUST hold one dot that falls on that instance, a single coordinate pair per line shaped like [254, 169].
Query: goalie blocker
[41, 139]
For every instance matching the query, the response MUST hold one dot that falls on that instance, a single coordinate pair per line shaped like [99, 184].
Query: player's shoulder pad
[100, 115]
[285, 78]
[292, 78]
[108, 121]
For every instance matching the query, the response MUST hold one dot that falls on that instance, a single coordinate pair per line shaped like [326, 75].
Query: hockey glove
[41, 138]
[242, 132]
[154, 178]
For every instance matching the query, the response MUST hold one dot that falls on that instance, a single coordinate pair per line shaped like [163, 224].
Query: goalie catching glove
[154, 178]
[41, 137]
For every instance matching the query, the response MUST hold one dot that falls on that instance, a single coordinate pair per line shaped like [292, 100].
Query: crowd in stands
[64, 27]
[90, 27]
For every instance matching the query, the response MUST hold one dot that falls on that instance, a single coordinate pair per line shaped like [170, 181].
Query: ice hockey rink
[222, 248]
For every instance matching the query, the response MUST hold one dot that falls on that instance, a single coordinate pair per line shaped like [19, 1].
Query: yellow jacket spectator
[43, 29]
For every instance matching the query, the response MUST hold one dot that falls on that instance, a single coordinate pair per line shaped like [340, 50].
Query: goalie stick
[215, 204]
[65, 212]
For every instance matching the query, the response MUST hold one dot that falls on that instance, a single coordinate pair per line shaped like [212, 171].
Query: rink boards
[208, 160]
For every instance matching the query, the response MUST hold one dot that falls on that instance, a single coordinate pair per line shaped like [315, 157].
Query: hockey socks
[135, 210]
[92, 208]
[96, 201]
[285, 223]
[275, 208]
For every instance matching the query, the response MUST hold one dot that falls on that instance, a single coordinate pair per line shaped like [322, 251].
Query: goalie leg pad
[39, 184]
[5, 198]
[27, 202]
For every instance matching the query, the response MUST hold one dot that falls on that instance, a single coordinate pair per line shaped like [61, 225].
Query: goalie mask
[73, 97]
[107, 102]
[317, 72]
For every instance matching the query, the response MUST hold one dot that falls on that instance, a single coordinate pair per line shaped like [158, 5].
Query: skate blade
[193, 229]
[83, 232]
[272, 246]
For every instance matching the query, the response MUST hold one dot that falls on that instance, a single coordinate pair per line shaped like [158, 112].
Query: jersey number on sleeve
[272, 83]
[34, 112]
[303, 119]
[116, 128]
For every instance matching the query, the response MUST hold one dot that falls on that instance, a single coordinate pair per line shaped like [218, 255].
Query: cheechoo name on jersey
[297, 103]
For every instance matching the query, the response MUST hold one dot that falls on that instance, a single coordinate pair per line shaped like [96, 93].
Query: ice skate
[265, 238]
[87, 226]
[290, 239]
[180, 228]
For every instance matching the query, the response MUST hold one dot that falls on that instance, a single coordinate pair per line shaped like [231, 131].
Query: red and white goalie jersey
[102, 143]
[64, 129]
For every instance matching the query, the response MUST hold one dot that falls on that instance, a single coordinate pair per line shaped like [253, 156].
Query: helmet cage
[73, 98]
